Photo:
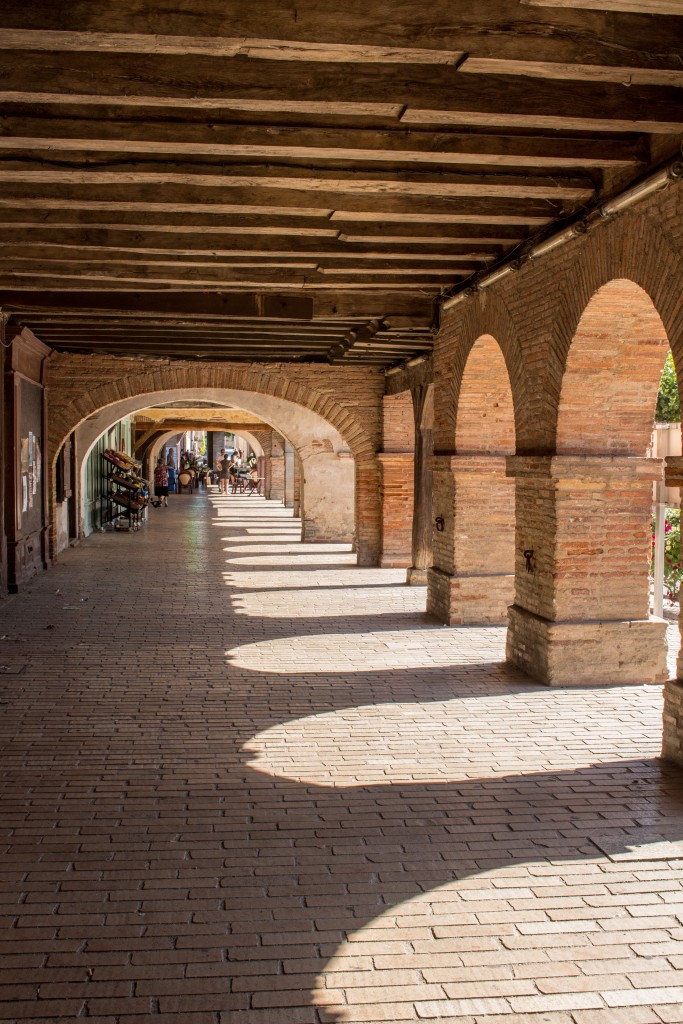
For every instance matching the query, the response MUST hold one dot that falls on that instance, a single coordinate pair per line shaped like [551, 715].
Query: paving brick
[320, 806]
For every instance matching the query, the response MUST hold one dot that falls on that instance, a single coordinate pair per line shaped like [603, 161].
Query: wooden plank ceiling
[299, 180]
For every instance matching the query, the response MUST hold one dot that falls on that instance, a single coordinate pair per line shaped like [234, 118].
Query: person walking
[224, 473]
[161, 482]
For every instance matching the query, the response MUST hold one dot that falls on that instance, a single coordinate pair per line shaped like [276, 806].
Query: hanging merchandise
[126, 492]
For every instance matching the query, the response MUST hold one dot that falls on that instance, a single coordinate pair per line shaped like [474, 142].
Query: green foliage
[673, 567]
[668, 405]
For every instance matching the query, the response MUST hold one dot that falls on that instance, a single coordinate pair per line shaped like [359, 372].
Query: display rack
[125, 491]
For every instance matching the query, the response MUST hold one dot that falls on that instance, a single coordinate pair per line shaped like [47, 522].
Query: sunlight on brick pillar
[397, 463]
[581, 612]
[472, 579]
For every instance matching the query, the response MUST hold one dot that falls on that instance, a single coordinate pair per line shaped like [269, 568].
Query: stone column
[296, 507]
[472, 580]
[581, 609]
[289, 475]
[327, 498]
[266, 444]
[277, 468]
[422, 490]
[396, 480]
[397, 506]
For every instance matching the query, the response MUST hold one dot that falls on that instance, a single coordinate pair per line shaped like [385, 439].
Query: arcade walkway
[245, 782]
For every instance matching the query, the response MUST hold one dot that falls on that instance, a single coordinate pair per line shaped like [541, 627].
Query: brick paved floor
[245, 782]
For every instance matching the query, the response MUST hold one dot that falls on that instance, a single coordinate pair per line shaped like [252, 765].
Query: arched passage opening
[606, 413]
[484, 496]
[589, 581]
[328, 477]
[349, 427]
[477, 542]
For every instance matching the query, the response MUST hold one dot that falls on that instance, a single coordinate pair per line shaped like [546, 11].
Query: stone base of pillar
[393, 562]
[469, 600]
[313, 533]
[672, 740]
[587, 653]
[417, 577]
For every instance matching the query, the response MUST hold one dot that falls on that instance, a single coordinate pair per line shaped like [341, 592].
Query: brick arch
[488, 318]
[485, 416]
[611, 374]
[81, 388]
[66, 413]
[613, 267]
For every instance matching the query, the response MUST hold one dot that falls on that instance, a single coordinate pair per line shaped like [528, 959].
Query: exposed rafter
[265, 181]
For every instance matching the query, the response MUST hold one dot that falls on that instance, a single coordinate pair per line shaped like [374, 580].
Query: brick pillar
[296, 507]
[581, 610]
[368, 532]
[266, 440]
[672, 739]
[472, 580]
[421, 562]
[396, 462]
[277, 468]
[397, 507]
[289, 476]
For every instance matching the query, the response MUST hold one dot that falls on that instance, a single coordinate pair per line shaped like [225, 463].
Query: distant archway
[327, 509]
[484, 497]
[337, 452]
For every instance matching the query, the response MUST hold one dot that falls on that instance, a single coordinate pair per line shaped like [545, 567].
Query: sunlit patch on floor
[441, 741]
[333, 602]
[425, 647]
[317, 557]
[305, 579]
[490, 947]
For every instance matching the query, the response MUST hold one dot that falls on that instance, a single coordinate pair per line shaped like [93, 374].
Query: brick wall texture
[557, 362]
[568, 351]
[398, 472]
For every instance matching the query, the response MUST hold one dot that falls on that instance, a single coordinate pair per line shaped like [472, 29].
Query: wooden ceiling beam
[239, 46]
[313, 145]
[197, 423]
[77, 277]
[623, 75]
[393, 304]
[99, 243]
[48, 223]
[229, 270]
[336, 207]
[341, 294]
[434, 94]
[389, 234]
[58, 320]
[301, 179]
[209, 303]
[272, 28]
[668, 7]
[206, 345]
[255, 337]
[158, 224]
